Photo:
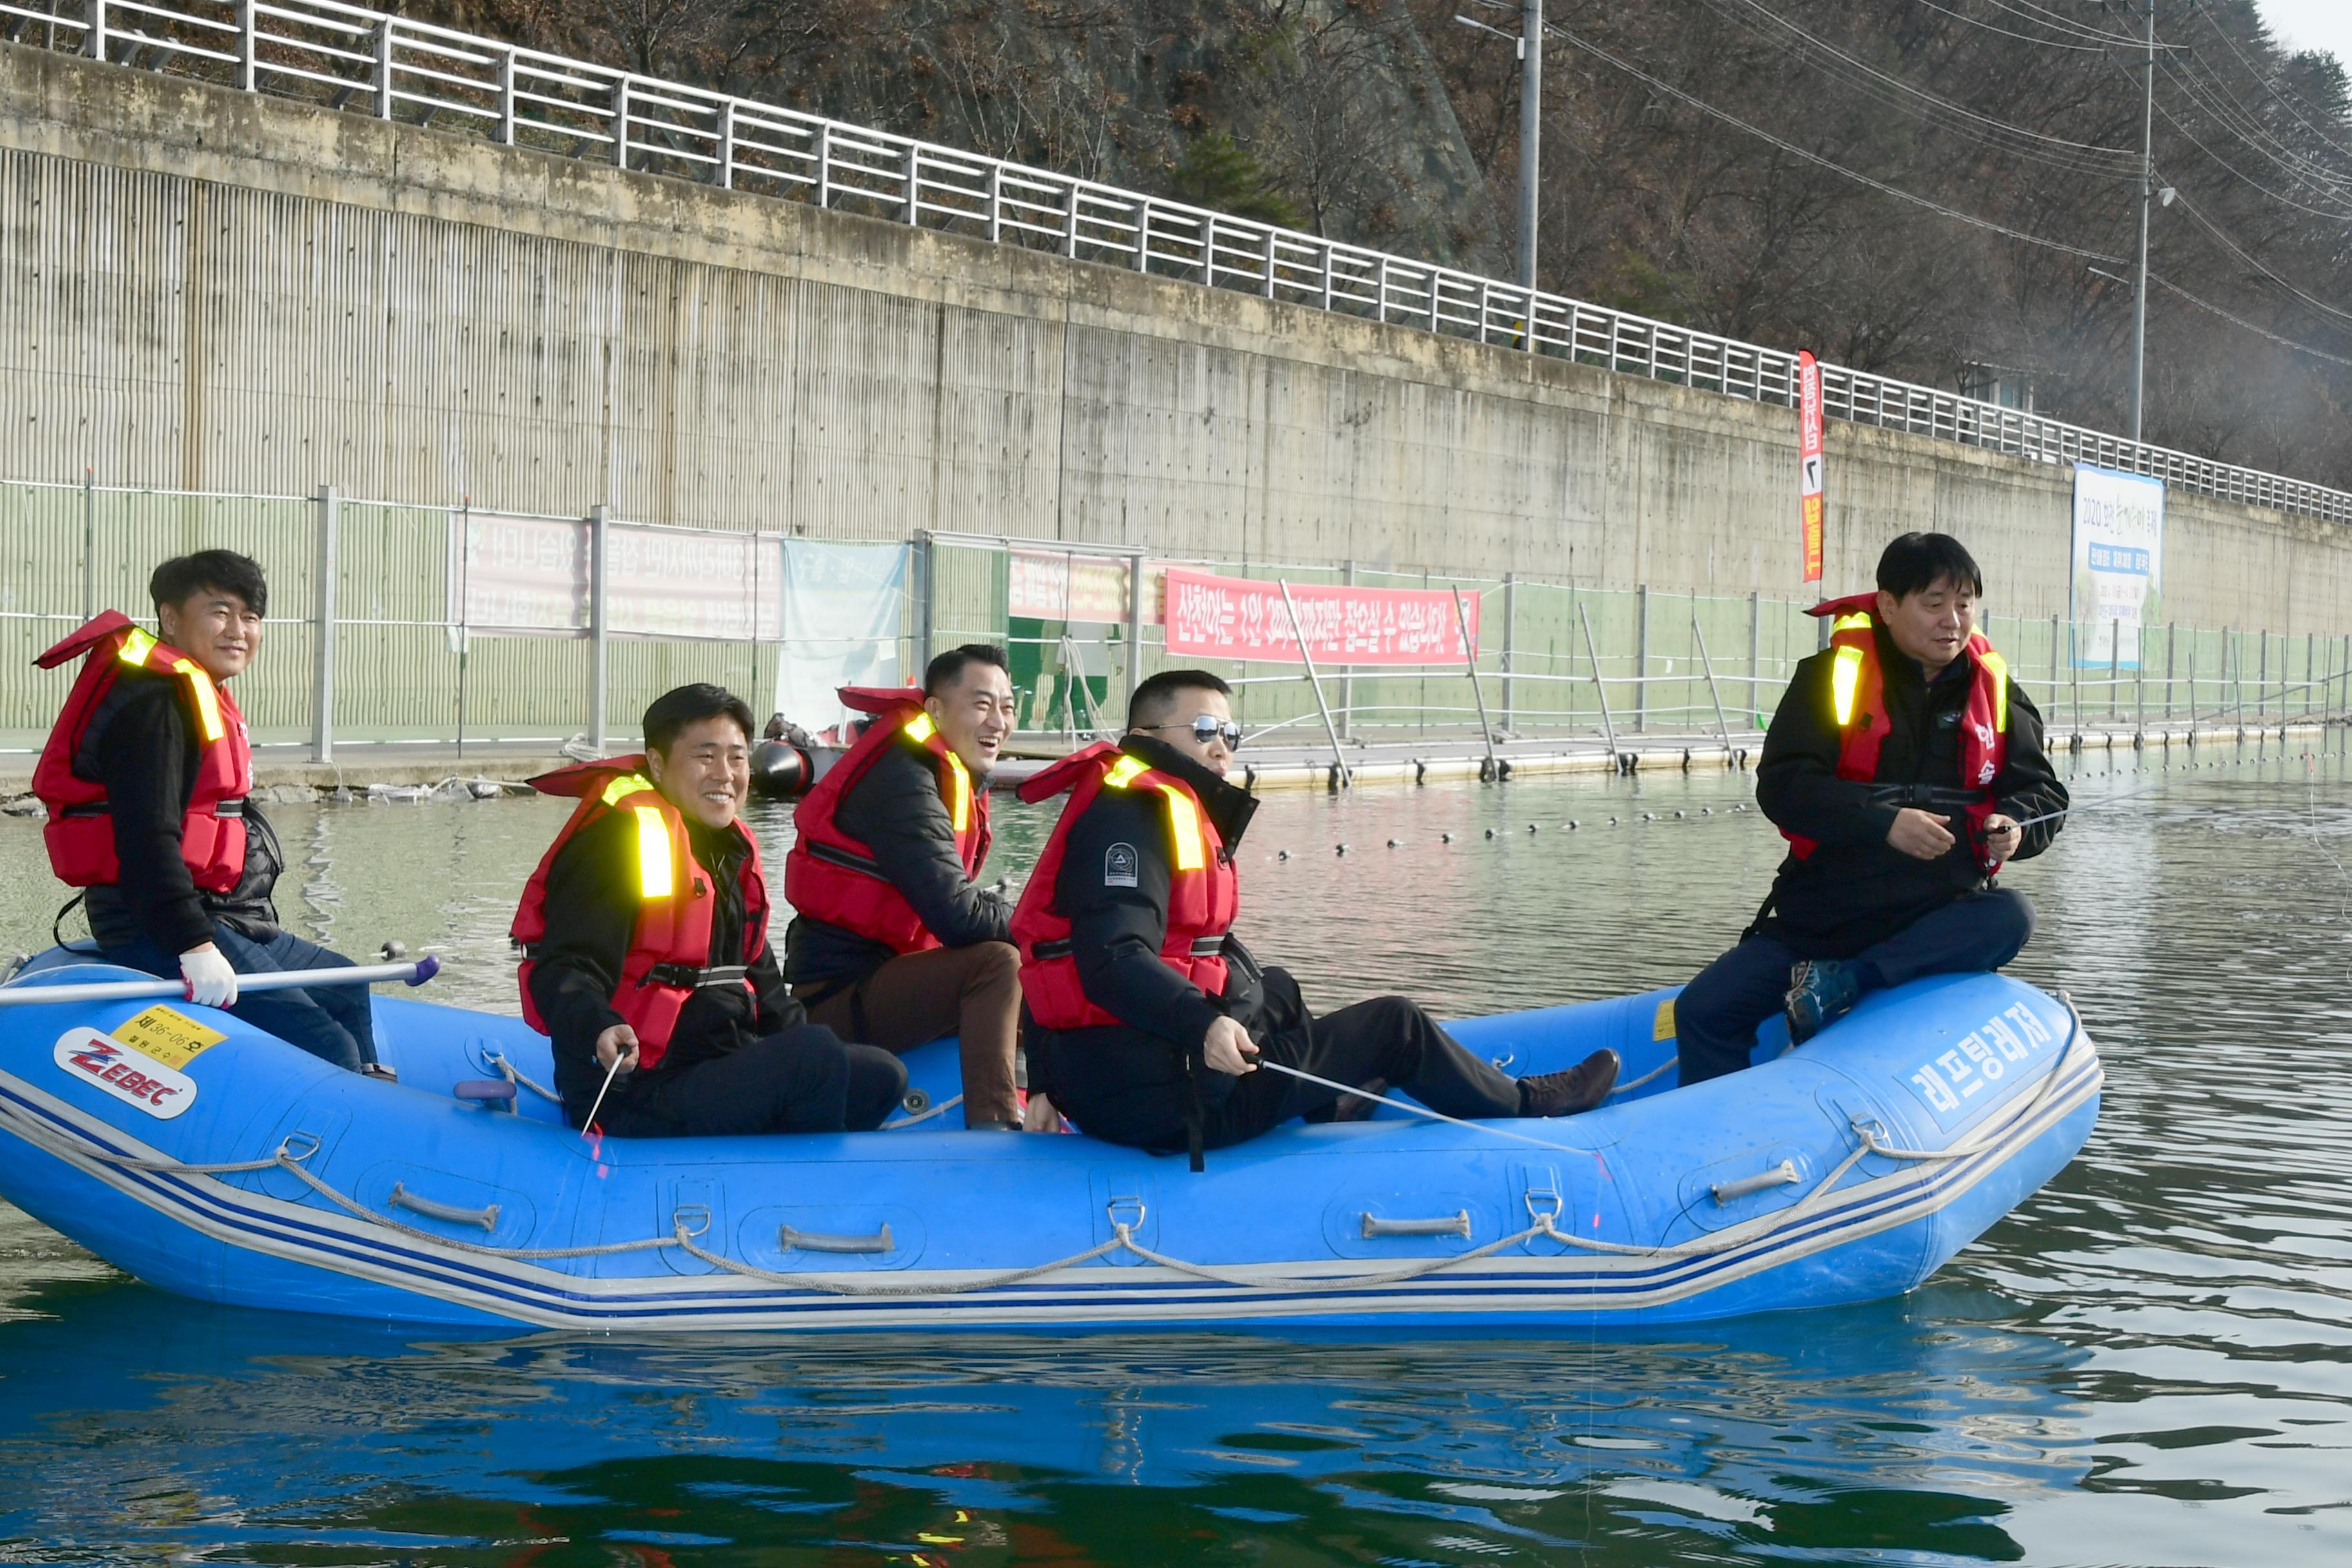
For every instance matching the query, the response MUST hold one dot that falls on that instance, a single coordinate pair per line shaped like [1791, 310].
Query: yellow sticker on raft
[1662, 1028]
[163, 1034]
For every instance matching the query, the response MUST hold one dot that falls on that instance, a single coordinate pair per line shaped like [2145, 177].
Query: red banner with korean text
[1236, 617]
[1808, 460]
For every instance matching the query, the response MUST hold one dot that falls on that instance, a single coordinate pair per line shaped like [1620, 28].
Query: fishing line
[1410, 1108]
[610, 1073]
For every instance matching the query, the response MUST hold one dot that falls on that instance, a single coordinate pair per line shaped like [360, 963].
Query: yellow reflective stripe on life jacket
[1183, 817]
[1857, 622]
[136, 647]
[1997, 667]
[207, 700]
[628, 784]
[960, 808]
[1184, 823]
[920, 729]
[656, 879]
[1846, 682]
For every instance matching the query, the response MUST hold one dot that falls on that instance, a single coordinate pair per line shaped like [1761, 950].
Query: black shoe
[1564, 1093]
[1355, 1107]
[377, 1069]
[1820, 992]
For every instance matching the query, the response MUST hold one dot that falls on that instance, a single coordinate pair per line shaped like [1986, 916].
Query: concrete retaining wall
[209, 289]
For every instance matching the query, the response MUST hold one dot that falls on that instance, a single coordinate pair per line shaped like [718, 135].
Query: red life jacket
[1858, 704]
[1203, 894]
[832, 877]
[669, 952]
[81, 832]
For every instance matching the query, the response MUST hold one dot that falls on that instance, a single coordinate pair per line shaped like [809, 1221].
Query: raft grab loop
[692, 1221]
[1455, 1224]
[455, 1214]
[1783, 1175]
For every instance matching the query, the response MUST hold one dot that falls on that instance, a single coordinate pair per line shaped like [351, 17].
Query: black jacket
[141, 746]
[1116, 928]
[592, 914]
[1856, 888]
[896, 812]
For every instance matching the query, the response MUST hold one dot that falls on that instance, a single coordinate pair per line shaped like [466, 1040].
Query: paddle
[416, 973]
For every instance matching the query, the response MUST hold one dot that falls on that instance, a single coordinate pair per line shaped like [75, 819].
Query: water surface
[2150, 1362]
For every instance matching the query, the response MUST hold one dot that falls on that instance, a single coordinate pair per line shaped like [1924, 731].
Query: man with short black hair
[893, 941]
[1906, 769]
[148, 777]
[646, 955]
[1151, 1018]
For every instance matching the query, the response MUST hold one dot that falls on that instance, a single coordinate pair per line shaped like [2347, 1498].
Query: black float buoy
[782, 770]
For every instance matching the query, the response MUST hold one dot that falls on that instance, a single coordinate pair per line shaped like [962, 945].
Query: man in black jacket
[735, 1059]
[893, 941]
[1179, 1064]
[1890, 873]
[139, 745]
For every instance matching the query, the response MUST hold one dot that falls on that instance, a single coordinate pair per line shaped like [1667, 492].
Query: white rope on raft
[1123, 1232]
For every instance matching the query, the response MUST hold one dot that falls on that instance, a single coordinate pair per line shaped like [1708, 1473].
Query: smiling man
[893, 941]
[1906, 769]
[1152, 1020]
[148, 778]
[646, 955]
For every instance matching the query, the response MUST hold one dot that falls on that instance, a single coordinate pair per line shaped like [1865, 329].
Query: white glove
[211, 981]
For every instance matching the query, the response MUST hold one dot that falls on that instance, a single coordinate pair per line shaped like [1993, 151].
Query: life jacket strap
[845, 859]
[1202, 947]
[687, 978]
[224, 808]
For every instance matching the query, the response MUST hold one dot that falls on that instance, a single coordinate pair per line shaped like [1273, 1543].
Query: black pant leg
[878, 1081]
[1975, 931]
[796, 1080]
[1716, 1015]
[1388, 1037]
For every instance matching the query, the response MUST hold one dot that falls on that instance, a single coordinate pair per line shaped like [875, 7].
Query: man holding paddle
[148, 778]
[646, 955]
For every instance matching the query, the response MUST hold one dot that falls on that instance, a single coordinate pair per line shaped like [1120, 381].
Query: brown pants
[973, 992]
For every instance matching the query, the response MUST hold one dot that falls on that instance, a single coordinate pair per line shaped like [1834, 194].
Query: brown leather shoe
[1564, 1093]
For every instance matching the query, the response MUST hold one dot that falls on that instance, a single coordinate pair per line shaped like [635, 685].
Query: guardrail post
[1381, 307]
[1327, 274]
[599, 624]
[1070, 229]
[825, 164]
[914, 185]
[322, 678]
[245, 50]
[1510, 645]
[621, 124]
[93, 43]
[1641, 659]
[995, 202]
[727, 147]
[506, 98]
[1144, 236]
[384, 69]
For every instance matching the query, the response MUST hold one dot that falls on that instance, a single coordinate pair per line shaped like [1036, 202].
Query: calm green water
[2148, 1364]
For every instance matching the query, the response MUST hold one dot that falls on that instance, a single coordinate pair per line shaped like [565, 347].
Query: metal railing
[349, 57]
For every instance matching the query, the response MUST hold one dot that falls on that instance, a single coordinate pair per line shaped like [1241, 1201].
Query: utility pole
[1529, 44]
[2146, 194]
[1531, 36]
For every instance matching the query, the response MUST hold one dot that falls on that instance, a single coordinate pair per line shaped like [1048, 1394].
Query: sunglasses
[1205, 728]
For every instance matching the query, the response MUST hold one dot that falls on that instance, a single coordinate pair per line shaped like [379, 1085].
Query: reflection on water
[2149, 1363]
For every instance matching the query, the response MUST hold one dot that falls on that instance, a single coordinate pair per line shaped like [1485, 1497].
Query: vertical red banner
[1809, 460]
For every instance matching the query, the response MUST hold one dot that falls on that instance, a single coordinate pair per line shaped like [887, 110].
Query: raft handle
[402, 1198]
[817, 1241]
[1783, 1175]
[1455, 1224]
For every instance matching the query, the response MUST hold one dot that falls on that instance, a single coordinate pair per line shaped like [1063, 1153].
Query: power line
[2280, 97]
[2009, 33]
[2063, 151]
[2253, 134]
[2337, 213]
[2049, 18]
[1971, 219]
[2234, 249]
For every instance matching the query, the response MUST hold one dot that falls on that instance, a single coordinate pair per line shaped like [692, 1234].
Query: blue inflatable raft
[213, 1160]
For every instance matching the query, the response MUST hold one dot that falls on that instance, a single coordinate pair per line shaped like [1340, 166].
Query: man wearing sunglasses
[1148, 1017]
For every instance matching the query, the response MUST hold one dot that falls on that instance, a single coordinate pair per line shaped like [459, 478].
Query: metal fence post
[621, 124]
[2310, 659]
[506, 98]
[1608, 728]
[323, 680]
[2171, 656]
[1341, 774]
[599, 667]
[2057, 681]
[247, 52]
[384, 69]
[2263, 681]
[1698, 634]
[1642, 659]
[1510, 642]
[925, 583]
[1134, 576]
[94, 45]
[88, 543]
[1755, 658]
[1347, 671]
[726, 150]
[2115, 662]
